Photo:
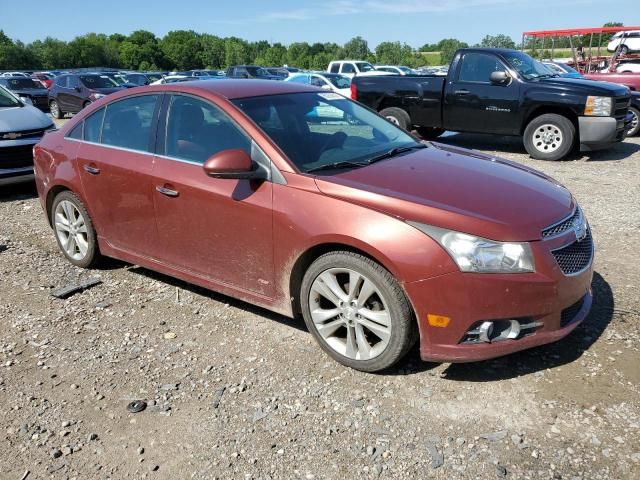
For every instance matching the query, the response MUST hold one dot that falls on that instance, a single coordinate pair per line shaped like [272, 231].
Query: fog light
[489, 331]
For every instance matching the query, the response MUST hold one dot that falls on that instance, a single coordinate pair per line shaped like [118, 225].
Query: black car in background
[29, 90]
[250, 71]
[72, 92]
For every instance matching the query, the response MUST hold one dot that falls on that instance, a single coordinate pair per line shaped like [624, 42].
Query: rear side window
[335, 68]
[62, 81]
[128, 123]
[93, 126]
[196, 130]
[348, 68]
[76, 132]
[478, 67]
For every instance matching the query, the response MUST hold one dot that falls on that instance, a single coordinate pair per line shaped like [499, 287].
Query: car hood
[588, 87]
[457, 189]
[16, 119]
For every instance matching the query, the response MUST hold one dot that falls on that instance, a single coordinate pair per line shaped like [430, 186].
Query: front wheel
[549, 137]
[635, 122]
[357, 311]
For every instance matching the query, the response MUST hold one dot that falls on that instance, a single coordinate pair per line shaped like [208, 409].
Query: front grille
[621, 106]
[16, 157]
[23, 134]
[562, 226]
[575, 257]
[568, 315]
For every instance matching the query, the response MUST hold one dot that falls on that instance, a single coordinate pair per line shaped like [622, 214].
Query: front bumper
[600, 132]
[555, 302]
[16, 160]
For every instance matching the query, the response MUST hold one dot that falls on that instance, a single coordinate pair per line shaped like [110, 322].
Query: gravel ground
[234, 391]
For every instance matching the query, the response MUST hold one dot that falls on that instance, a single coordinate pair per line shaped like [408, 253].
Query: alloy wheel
[350, 313]
[547, 138]
[71, 230]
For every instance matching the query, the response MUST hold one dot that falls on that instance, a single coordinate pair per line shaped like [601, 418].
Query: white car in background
[629, 66]
[15, 74]
[395, 69]
[627, 41]
[172, 79]
[329, 81]
[351, 68]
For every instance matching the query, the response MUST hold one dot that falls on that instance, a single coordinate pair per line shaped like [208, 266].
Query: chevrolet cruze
[376, 239]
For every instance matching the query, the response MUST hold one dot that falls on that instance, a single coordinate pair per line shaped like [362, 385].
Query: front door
[219, 229]
[474, 104]
[115, 162]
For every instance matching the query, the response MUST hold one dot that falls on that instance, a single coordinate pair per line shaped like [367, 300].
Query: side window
[62, 81]
[73, 82]
[348, 68]
[76, 133]
[196, 130]
[128, 123]
[335, 68]
[317, 82]
[93, 126]
[478, 67]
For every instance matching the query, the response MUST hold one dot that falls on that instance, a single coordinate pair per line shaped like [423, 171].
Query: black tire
[404, 328]
[93, 253]
[536, 144]
[54, 108]
[636, 119]
[397, 116]
[86, 104]
[429, 133]
[624, 50]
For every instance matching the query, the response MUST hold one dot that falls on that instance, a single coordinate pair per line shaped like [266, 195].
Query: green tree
[497, 41]
[182, 49]
[394, 53]
[212, 54]
[447, 48]
[356, 49]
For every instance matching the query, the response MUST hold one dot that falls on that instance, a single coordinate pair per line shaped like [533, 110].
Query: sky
[408, 21]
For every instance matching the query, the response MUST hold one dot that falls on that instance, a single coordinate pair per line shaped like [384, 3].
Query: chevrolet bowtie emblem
[11, 136]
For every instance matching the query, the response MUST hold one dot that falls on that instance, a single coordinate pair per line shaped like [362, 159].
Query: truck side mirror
[499, 77]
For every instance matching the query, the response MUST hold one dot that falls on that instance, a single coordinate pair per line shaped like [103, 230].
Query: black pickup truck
[502, 92]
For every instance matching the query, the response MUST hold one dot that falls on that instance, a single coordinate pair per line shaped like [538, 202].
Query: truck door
[473, 103]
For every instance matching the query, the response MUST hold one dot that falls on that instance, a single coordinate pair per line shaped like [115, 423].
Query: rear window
[97, 81]
[22, 84]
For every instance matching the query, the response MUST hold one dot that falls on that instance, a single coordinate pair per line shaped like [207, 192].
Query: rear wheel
[74, 230]
[635, 122]
[624, 50]
[549, 137]
[357, 311]
[397, 116]
[429, 133]
[54, 108]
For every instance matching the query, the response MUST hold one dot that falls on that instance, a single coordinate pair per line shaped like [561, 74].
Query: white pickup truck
[351, 68]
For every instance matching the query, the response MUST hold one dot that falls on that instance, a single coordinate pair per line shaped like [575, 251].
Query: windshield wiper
[393, 152]
[337, 166]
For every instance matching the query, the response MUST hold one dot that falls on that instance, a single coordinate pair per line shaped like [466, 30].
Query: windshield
[7, 99]
[365, 67]
[406, 70]
[526, 66]
[21, 84]
[319, 129]
[97, 81]
[569, 69]
[258, 72]
[339, 81]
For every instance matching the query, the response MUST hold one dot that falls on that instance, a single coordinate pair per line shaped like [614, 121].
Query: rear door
[62, 93]
[473, 104]
[75, 94]
[115, 162]
[218, 229]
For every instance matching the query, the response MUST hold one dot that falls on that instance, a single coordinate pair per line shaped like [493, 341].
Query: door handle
[461, 92]
[167, 191]
[92, 170]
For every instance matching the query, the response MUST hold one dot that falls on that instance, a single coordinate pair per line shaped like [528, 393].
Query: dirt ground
[234, 391]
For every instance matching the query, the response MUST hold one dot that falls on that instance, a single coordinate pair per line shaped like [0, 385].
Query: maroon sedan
[305, 202]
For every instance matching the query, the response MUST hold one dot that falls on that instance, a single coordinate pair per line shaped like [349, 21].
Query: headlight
[598, 106]
[476, 254]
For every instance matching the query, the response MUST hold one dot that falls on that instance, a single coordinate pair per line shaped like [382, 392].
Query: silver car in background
[21, 127]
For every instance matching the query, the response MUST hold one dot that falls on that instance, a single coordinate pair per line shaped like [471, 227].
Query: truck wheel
[635, 122]
[549, 137]
[397, 116]
[429, 133]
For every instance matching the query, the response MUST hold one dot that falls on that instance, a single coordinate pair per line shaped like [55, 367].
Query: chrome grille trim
[562, 226]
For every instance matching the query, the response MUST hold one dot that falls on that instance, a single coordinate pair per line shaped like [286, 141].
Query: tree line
[186, 49]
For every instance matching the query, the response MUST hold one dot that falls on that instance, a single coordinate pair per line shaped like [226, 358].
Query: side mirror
[499, 77]
[234, 163]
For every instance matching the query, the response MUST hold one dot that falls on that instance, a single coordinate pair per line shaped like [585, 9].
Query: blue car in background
[563, 70]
